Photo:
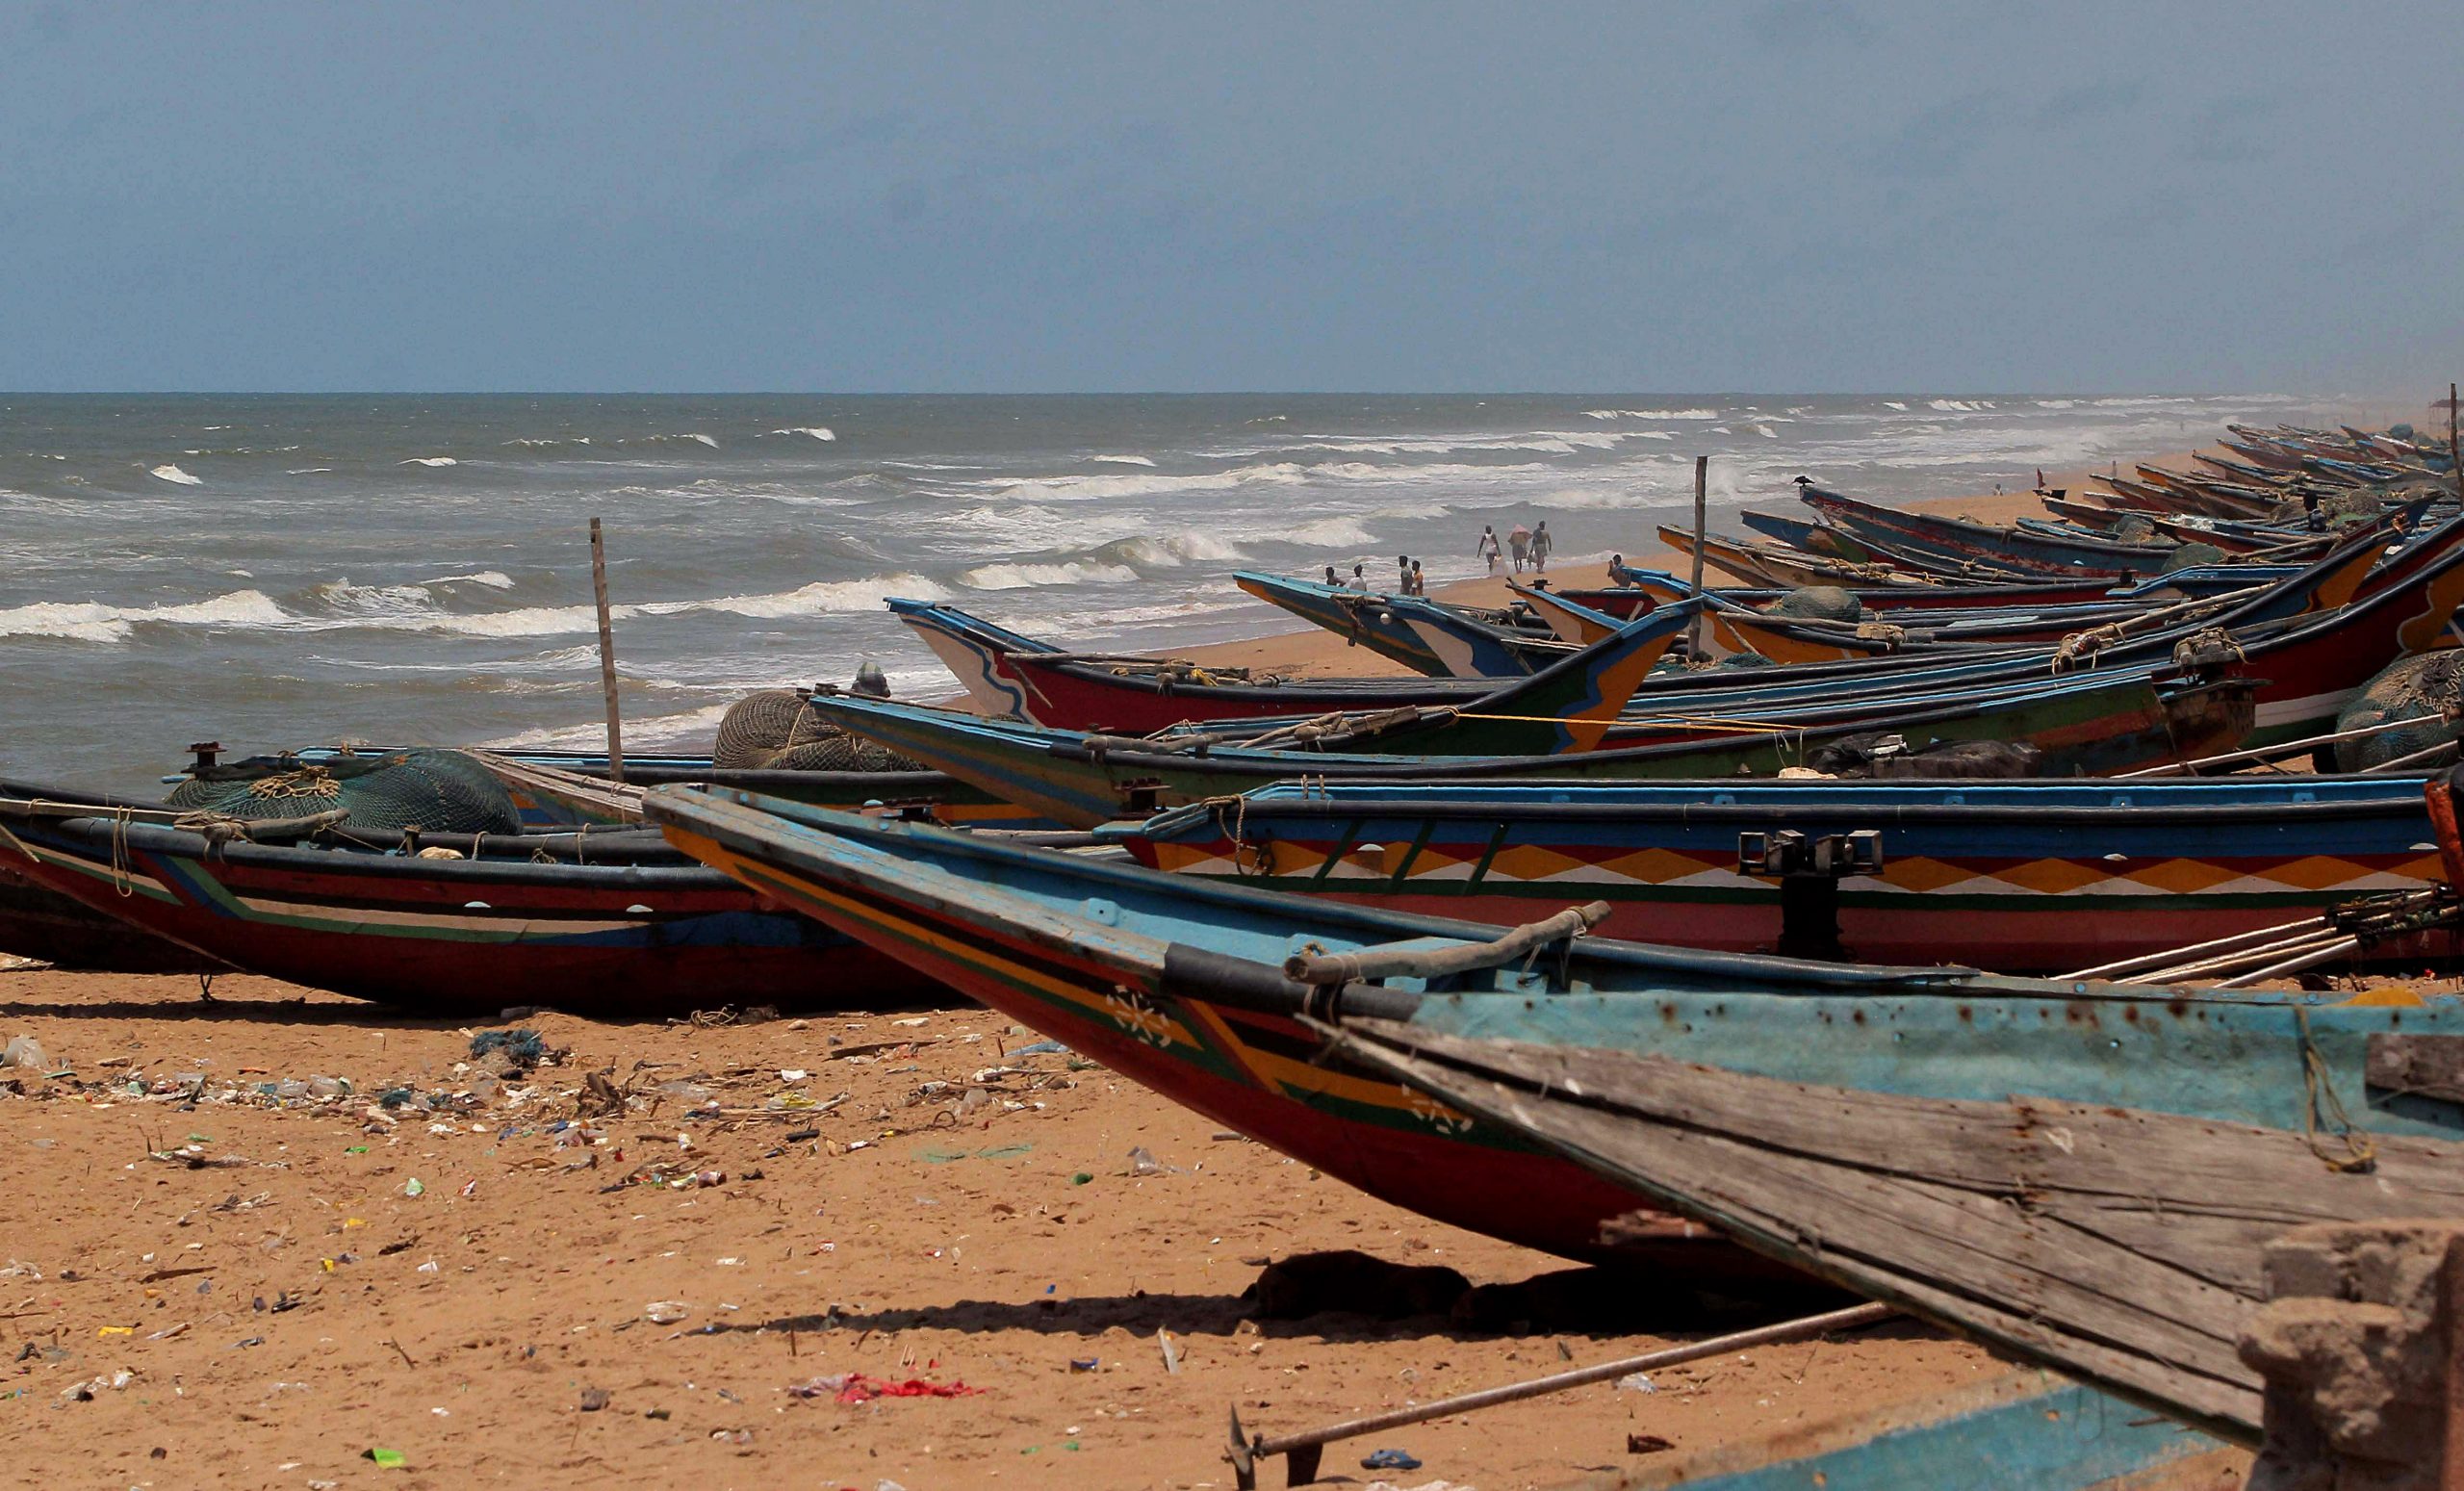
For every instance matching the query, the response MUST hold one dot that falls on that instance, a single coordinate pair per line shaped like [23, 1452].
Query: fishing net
[1819, 602]
[2192, 555]
[1745, 661]
[443, 790]
[2340, 508]
[2423, 688]
[772, 730]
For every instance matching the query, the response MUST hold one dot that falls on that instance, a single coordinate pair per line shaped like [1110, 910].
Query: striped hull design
[1248, 1071]
[2036, 879]
[461, 936]
[1349, 614]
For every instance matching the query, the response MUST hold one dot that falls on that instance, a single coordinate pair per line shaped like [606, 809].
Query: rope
[122, 881]
[2318, 1094]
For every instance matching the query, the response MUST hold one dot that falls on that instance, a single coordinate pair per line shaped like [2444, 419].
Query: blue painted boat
[2031, 1428]
[2011, 876]
[1374, 621]
[1872, 1125]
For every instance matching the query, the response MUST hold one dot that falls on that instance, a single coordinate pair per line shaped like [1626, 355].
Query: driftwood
[2120, 1246]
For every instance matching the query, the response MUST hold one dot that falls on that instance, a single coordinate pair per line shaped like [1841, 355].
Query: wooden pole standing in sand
[607, 654]
[1702, 484]
[2455, 458]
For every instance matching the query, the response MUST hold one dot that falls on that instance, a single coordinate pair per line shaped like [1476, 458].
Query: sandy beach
[739, 1280]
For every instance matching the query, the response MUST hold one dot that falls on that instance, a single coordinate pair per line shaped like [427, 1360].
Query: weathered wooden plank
[2422, 1065]
[2121, 1244]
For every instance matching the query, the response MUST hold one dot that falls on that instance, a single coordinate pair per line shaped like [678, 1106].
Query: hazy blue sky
[1774, 194]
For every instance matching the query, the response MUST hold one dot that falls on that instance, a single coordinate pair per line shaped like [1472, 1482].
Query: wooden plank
[2120, 1244]
[2428, 1067]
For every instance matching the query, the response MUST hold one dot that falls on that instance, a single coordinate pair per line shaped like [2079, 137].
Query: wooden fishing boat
[1767, 564]
[565, 788]
[1206, 991]
[1959, 540]
[61, 931]
[1132, 699]
[1377, 622]
[2082, 1175]
[2095, 723]
[601, 923]
[2011, 876]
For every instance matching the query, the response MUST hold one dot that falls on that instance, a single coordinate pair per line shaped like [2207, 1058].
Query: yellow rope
[2319, 1096]
[122, 881]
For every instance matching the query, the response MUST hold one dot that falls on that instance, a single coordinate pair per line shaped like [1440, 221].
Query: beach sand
[292, 1304]
[466, 1325]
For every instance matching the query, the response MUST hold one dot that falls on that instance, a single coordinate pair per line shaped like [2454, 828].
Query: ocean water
[275, 570]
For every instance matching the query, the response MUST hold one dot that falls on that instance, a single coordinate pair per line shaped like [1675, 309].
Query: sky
[1785, 196]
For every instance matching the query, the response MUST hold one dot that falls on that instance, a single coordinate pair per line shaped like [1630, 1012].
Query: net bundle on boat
[443, 790]
[2192, 555]
[2421, 689]
[1819, 602]
[772, 730]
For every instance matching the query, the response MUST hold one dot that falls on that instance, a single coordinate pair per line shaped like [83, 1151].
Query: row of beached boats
[1492, 943]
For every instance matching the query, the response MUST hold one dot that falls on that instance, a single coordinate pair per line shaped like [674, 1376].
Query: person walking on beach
[1540, 547]
[1419, 581]
[1488, 546]
[1402, 574]
[1518, 543]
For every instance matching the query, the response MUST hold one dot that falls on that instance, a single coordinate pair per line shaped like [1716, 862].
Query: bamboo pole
[607, 656]
[1702, 487]
[1302, 1448]
[2455, 458]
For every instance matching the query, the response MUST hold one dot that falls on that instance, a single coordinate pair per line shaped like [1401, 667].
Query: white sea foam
[494, 579]
[1178, 549]
[308, 470]
[1767, 432]
[1652, 413]
[88, 621]
[657, 439]
[1329, 533]
[172, 473]
[1124, 460]
[1021, 576]
[543, 444]
[1895, 403]
[429, 460]
[1079, 489]
[816, 431]
[814, 600]
[1950, 405]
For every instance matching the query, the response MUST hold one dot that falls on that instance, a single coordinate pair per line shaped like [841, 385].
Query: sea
[271, 572]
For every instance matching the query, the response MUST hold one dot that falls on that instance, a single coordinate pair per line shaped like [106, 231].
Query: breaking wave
[1330, 534]
[88, 621]
[1022, 577]
[172, 473]
[1123, 460]
[660, 440]
[1652, 414]
[429, 460]
[816, 431]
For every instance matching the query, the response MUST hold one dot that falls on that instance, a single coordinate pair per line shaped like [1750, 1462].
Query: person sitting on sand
[1540, 547]
[1519, 544]
[1488, 546]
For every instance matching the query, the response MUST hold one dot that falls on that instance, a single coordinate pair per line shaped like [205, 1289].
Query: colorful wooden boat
[2080, 1175]
[1182, 984]
[1364, 619]
[600, 923]
[1128, 699]
[2085, 724]
[1962, 541]
[2011, 876]
[64, 932]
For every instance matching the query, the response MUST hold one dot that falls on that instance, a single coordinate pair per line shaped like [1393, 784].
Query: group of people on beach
[1526, 545]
